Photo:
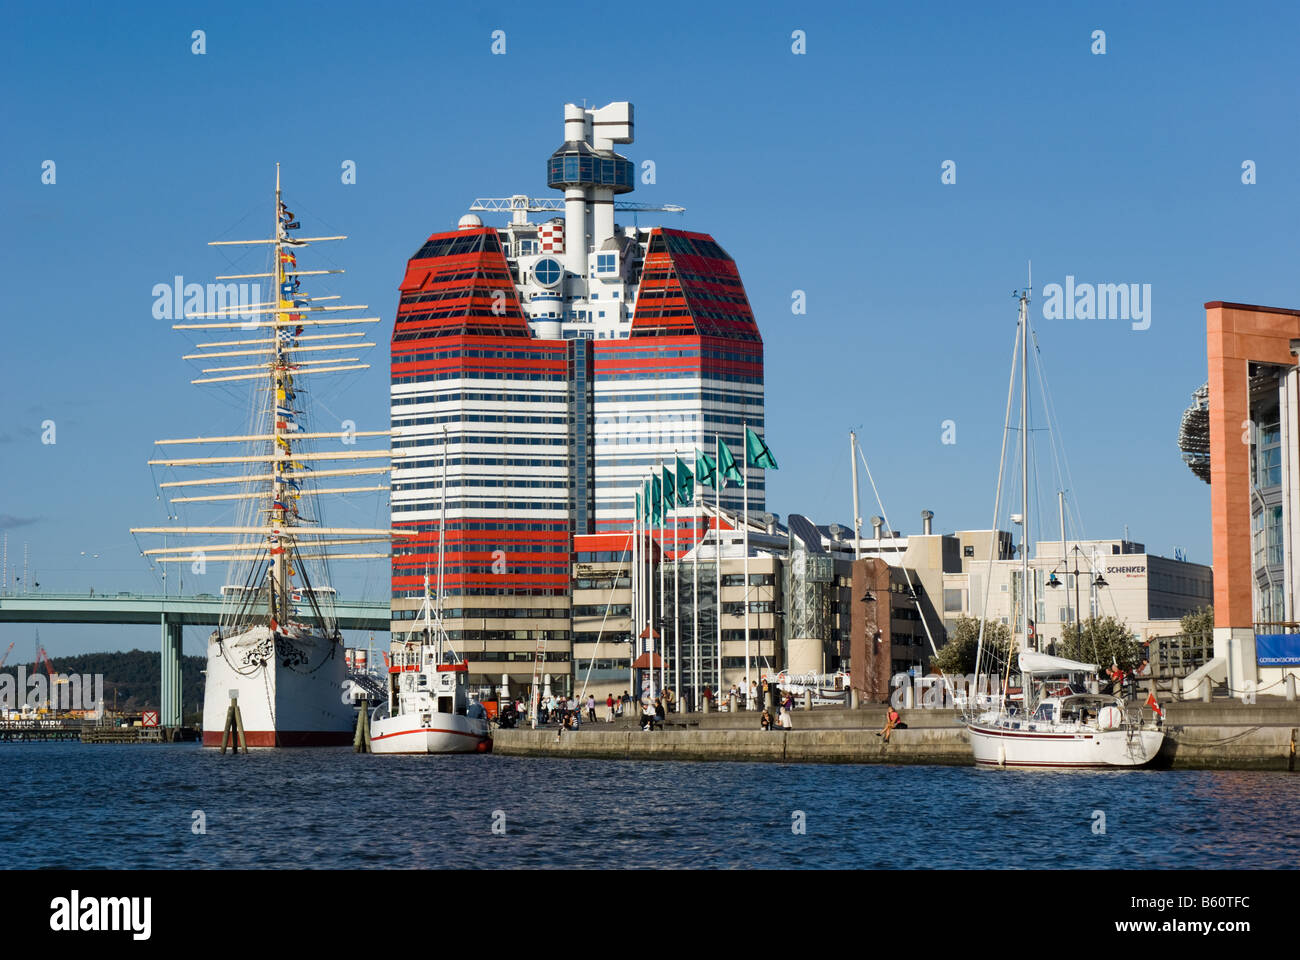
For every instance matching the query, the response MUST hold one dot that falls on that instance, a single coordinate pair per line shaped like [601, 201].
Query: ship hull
[1000, 747]
[429, 733]
[290, 690]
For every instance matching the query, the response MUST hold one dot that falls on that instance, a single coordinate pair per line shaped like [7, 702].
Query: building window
[1267, 462]
[606, 263]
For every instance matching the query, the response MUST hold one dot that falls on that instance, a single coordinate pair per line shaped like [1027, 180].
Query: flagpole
[677, 620]
[650, 600]
[647, 587]
[695, 596]
[635, 585]
[718, 480]
[749, 701]
[663, 535]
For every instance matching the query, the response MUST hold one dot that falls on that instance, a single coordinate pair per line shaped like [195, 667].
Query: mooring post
[361, 739]
[228, 730]
[853, 698]
[234, 732]
[239, 729]
[1207, 691]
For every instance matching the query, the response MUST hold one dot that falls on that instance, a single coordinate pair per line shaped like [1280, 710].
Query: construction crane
[7, 652]
[521, 205]
[49, 671]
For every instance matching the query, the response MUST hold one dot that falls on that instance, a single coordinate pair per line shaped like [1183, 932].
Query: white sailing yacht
[1045, 715]
[277, 648]
[429, 708]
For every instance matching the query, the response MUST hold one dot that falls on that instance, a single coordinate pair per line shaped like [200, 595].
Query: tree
[1102, 641]
[1198, 626]
[957, 656]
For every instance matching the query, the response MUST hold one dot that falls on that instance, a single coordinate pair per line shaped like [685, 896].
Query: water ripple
[138, 807]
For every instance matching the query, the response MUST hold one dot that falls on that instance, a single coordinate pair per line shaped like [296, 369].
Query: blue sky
[818, 172]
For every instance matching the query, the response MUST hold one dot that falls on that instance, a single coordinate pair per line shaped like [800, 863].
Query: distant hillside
[134, 676]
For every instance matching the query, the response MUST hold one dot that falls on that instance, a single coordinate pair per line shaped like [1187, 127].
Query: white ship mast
[429, 618]
[274, 543]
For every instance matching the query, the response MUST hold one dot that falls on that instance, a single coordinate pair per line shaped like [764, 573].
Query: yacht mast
[442, 541]
[1025, 591]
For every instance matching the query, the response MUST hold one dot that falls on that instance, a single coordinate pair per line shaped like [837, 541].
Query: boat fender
[1110, 718]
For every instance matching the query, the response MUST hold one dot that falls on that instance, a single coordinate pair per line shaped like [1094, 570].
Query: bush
[957, 656]
[1102, 641]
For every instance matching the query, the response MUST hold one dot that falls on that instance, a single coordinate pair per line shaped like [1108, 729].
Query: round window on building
[548, 271]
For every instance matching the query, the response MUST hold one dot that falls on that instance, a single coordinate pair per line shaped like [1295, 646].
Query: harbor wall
[1199, 736]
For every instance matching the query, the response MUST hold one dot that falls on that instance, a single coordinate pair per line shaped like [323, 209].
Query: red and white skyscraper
[562, 360]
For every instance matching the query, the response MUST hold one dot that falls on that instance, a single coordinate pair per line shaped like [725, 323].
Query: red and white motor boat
[429, 708]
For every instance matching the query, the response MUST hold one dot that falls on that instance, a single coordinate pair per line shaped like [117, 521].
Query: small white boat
[429, 708]
[1068, 726]
[1052, 719]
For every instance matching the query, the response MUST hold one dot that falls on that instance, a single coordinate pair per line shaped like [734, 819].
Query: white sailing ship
[278, 648]
[1049, 714]
[429, 708]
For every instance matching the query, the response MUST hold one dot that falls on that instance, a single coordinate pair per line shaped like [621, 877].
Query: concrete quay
[1223, 735]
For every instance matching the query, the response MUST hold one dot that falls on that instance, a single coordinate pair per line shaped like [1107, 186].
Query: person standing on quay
[609, 708]
[591, 707]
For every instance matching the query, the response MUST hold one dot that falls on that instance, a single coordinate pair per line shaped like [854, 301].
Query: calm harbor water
[134, 807]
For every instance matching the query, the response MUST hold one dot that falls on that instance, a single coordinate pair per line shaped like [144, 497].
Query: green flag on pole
[656, 500]
[638, 506]
[685, 483]
[670, 486]
[756, 452]
[645, 502]
[727, 465]
[706, 469]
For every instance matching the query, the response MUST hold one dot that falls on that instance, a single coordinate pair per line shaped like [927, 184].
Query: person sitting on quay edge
[765, 721]
[647, 715]
[893, 721]
[660, 713]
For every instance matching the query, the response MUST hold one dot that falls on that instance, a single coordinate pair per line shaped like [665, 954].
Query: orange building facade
[1253, 439]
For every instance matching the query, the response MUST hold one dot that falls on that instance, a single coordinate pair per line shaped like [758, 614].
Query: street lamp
[1054, 581]
[92, 556]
